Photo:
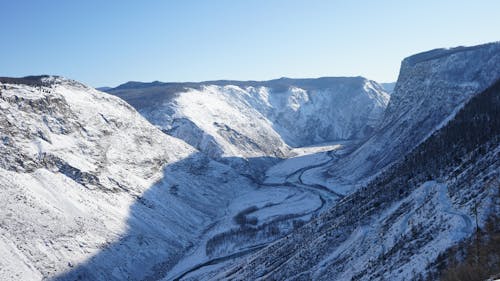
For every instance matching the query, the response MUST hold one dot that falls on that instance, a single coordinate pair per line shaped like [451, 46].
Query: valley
[281, 203]
[288, 179]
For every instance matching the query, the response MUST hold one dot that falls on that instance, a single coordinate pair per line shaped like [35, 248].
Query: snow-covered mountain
[192, 186]
[401, 225]
[254, 119]
[431, 88]
[91, 190]
[87, 182]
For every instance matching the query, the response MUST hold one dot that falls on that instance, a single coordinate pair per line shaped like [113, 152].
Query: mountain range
[334, 178]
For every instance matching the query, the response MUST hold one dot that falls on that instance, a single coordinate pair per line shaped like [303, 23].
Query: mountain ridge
[225, 82]
[283, 111]
[189, 180]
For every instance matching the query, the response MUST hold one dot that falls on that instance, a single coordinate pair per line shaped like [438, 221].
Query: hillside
[397, 225]
[250, 119]
[85, 180]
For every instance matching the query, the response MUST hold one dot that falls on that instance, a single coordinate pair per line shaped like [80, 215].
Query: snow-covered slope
[255, 119]
[397, 226]
[91, 190]
[431, 87]
[89, 187]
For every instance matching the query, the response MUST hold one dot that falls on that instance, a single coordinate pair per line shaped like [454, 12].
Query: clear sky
[106, 43]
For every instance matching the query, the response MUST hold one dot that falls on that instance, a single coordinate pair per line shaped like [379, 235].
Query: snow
[10, 268]
[428, 93]
[376, 233]
[114, 202]
[270, 202]
[316, 148]
[212, 108]
[266, 120]
[302, 158]
[87, 184]
[279, 172]
[131, 192]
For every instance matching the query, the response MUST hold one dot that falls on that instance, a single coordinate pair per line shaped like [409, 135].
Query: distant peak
[137, 84]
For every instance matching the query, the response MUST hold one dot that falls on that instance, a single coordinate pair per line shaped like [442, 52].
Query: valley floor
[292, 193]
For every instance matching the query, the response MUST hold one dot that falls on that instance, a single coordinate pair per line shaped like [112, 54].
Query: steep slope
[254, 119]
[88, 185]
[431, 87]
[397, 225]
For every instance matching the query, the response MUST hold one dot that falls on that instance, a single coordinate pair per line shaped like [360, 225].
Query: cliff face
[431, 88]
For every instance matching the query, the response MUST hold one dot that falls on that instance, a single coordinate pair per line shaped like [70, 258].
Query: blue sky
[110, 42]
